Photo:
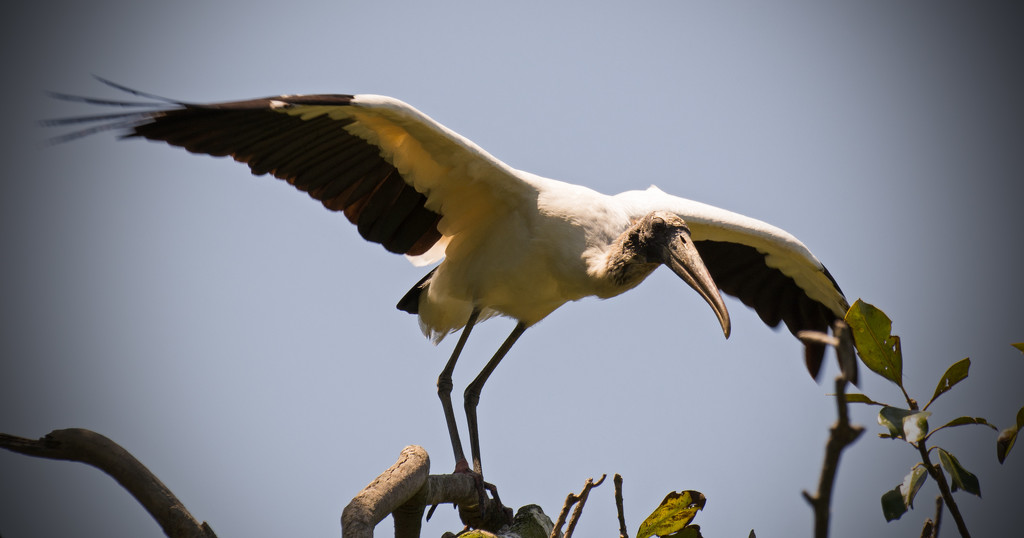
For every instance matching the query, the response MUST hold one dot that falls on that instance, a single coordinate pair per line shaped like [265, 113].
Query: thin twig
[938, 515]
[928, 531]
[570, 500]
[617, 480]
[947, 495]
[89, 447]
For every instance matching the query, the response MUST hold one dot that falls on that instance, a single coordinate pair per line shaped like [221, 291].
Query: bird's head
[663, 237]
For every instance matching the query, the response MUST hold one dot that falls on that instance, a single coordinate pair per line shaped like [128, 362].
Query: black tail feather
[410, 302]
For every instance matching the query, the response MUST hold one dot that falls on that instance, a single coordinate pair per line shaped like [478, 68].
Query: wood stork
[508, 242]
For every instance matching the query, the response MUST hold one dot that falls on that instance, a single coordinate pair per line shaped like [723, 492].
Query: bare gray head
[662, 237]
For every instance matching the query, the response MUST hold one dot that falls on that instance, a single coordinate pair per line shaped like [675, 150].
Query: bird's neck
[620, 268]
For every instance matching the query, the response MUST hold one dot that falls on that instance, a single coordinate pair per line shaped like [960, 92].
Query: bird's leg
[472, 395]
[444, 392]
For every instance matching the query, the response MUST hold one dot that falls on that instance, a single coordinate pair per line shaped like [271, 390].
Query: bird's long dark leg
[472, 395]
[444, 392]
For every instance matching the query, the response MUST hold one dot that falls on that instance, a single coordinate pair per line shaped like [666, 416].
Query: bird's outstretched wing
[763, 266]
[406, 181]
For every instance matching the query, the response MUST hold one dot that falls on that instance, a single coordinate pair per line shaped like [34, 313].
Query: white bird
[508, 242]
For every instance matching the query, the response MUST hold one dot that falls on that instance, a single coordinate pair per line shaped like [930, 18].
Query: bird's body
[526, 264]
[506, 242]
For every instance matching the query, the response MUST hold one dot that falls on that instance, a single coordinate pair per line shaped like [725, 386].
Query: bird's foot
[488, 513]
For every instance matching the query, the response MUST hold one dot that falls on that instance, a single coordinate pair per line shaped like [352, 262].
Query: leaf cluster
[881, 352]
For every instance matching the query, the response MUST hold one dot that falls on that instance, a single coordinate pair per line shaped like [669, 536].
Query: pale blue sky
[243, 342]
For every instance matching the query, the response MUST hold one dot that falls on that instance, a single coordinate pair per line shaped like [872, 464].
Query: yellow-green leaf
[1019, 346]
[953, 375]
[478, 533]
[674, 513]
[962, 478]
[878, 348]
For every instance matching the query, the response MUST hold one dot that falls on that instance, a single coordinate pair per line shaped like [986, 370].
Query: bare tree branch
[404, 490]
[623, 533]
[392, 489]
[842, 434]
[94, 449]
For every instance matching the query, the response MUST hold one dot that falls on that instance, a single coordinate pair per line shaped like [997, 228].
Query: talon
[492, 515]
[462, 467]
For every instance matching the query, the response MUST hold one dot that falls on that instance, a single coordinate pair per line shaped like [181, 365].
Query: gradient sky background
[243, 343]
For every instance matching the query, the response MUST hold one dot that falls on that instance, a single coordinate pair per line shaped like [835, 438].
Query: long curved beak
[682, 257]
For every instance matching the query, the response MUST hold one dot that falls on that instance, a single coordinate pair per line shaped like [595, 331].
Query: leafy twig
[947, 495]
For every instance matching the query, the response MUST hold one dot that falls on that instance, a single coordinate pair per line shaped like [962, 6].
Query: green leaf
[855, 397]
[674, 513]
[954, 375]
[961, 421]
[1019, 346]
[1008, 437]
[892, 418]
[905, 424]
[962, 478]
[892, 504]
[878, 348]
[896, 501]
[912, 483]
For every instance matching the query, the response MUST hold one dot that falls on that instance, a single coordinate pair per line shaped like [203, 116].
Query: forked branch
[579, 501]
[405, 489]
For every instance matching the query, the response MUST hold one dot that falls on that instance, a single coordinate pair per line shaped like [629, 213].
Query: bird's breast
[526, 264]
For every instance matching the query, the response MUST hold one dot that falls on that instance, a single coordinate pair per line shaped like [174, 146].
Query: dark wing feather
[341, 170]
[740, 270]
[316, 155]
